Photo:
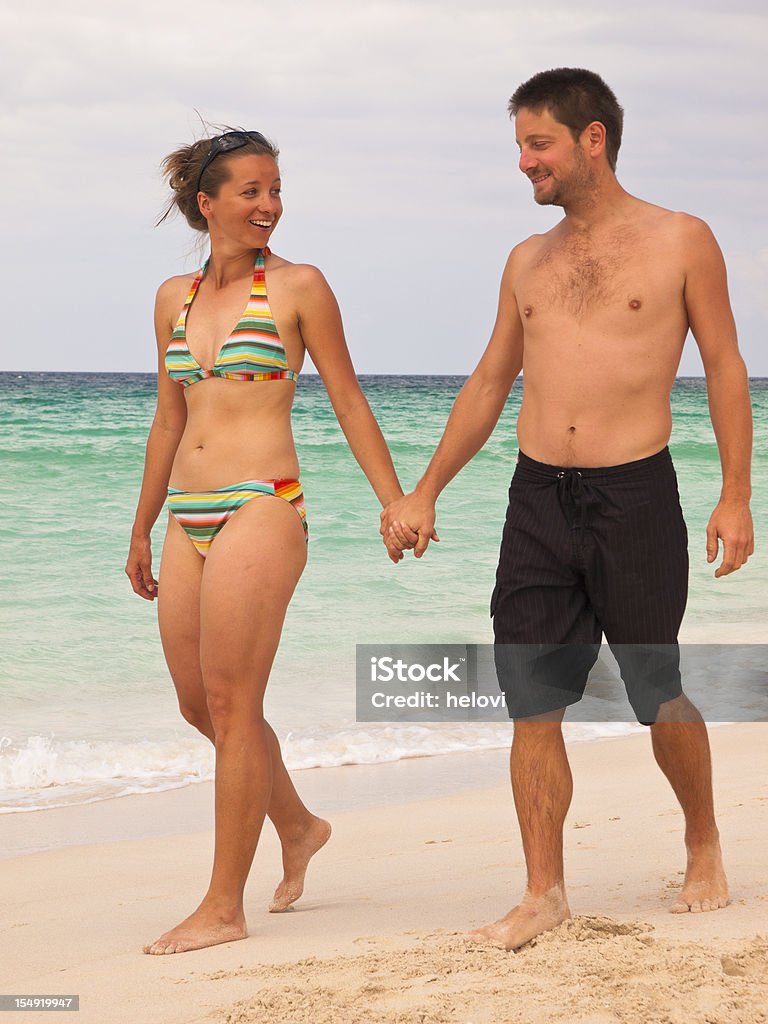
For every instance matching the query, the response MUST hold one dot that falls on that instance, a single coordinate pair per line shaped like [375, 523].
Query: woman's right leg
[301, 833]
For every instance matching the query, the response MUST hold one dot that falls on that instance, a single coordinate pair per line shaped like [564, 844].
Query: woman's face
[248, 206]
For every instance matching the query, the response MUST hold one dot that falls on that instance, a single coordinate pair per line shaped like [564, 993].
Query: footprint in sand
[751, 962]
[587, 927]
[732, 967]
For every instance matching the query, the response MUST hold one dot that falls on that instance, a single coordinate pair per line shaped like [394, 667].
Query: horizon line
[153, 373]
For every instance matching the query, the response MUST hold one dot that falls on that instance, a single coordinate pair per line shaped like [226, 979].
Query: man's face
[555, 164]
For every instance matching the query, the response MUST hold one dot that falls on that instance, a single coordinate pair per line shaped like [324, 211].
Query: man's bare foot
[206, 927]
[296, 856]
[705, 886]
[534, 915]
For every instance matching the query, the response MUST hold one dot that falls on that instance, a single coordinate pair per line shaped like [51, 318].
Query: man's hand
[731, 522]
[408, 522]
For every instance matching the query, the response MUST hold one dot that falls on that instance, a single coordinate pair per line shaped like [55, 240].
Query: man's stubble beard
[577, 189]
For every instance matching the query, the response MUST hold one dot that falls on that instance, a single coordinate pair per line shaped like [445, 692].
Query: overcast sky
[398, 160]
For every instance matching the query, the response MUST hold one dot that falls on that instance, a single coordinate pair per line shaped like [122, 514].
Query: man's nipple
[527, 311]
[635, 303]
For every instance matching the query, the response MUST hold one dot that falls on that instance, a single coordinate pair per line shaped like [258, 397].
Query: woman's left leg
[251, 571]
[301, 833]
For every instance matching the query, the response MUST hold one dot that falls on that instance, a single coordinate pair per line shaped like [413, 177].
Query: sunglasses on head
[226, 143]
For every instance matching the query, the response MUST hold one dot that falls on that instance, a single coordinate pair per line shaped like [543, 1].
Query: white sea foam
[44, 772]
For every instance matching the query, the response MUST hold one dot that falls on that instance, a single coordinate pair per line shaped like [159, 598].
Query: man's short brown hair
[575, 97]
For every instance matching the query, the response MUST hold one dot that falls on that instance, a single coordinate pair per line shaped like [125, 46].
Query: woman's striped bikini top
[253, 351]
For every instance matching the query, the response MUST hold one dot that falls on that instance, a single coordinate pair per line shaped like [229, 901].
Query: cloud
[398, 158]
[750, 269]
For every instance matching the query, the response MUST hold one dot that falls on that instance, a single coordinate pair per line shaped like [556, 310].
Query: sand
[605, 972]
[377, 937]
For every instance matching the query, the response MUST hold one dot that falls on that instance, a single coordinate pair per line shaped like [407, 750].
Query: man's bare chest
[580, 277]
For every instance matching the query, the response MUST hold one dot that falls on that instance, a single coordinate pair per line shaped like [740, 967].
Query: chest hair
[580, 272]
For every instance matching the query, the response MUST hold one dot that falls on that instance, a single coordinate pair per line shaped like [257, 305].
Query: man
[596, 312]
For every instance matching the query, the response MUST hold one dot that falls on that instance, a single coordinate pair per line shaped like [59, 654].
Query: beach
[385, 689]
[377, 935]
[106, 799]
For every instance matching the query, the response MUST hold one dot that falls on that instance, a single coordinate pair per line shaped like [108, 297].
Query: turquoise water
[86, 705]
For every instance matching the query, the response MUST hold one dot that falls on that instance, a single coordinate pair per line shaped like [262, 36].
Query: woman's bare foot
[534, 915]
[705, 886]
[206, 927]
[297, 854]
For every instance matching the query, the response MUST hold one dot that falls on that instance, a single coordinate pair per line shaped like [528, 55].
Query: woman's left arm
[323, 335]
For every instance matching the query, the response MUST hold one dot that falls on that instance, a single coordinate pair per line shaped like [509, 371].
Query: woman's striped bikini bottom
[203, 513]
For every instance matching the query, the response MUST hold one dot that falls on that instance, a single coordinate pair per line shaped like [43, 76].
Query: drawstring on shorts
[574, 495]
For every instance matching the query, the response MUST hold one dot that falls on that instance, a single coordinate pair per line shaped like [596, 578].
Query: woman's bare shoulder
[169, 301]
[300, 278]
[173, 287]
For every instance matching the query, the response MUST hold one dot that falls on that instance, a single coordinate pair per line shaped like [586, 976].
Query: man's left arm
[711, 321]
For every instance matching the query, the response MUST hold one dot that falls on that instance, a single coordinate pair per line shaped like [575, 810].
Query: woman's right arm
[164, 436]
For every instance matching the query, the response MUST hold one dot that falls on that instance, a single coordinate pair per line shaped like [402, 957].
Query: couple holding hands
[595, 313]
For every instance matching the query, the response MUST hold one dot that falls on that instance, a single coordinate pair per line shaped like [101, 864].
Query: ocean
[87, 709]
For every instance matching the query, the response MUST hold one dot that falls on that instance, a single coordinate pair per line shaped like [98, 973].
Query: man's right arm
[475, 413]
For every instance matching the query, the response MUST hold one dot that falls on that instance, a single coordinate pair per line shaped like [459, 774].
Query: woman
[221, 450]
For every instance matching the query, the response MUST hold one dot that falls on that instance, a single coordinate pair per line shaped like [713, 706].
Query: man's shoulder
[674, 221]
[528, 248]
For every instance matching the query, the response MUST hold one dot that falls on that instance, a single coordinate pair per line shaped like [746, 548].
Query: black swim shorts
[587, 551]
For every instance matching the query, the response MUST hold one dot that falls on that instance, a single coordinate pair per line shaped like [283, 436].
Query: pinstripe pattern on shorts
[587, 551]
